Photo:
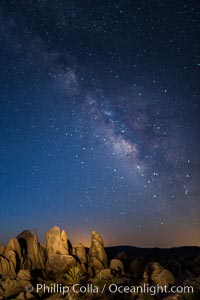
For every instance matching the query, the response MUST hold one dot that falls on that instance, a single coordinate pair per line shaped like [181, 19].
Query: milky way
[100, 120]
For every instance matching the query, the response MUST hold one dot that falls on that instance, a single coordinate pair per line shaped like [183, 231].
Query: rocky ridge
[25, 262]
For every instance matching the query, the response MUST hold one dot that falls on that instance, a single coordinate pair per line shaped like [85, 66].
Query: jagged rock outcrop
[58, 258]
[97, 255]
[56, 241]
[156, 274]
[25, 261]
[13, 245]
[2, 249]
[13, 286]
[33, 253]
[8, 265]
[24, 275]
[80, 253]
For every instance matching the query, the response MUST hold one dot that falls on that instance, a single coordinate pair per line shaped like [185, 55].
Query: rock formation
[8, 265]
[97, 254]
[32, 252]
[14, 286]
[137, 267]
[117, 266]
[80, 253]
[2, 249]
[105, 274]
[13, 245]
[195, 282]
[24, 261]
[58, 258]
[156, 274]
[56, 241]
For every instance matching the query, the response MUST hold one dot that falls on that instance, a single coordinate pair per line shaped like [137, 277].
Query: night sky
[99, 116]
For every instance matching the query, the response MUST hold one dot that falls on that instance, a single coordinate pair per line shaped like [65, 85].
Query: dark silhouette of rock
[193, 266]
[80, 252]
[137, 268]
[195, 282]
[122, 255]
[33, 253]
[97, 254]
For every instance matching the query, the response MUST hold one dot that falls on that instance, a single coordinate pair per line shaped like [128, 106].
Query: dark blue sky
[99, 116]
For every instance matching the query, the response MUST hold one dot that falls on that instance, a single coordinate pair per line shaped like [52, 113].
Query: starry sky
[99, 117]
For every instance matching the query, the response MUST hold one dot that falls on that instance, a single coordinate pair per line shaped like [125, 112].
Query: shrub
[74, 276]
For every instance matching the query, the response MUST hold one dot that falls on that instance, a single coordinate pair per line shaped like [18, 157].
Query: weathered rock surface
[13, 245]
[195, 282]
[24, 275]
[58, 258]
[80, 252]
[95, 264]
[118, 266]
[153, 269]
[25, 260]
[97, 254]
[60, 263]
[164, 278]
[155, 273]
[12, 287]
[105, 274]
[56, 242]
[32, 252]
[2, 249]
[8, 265]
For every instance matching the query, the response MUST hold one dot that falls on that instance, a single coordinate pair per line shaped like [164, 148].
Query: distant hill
[186, 251]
